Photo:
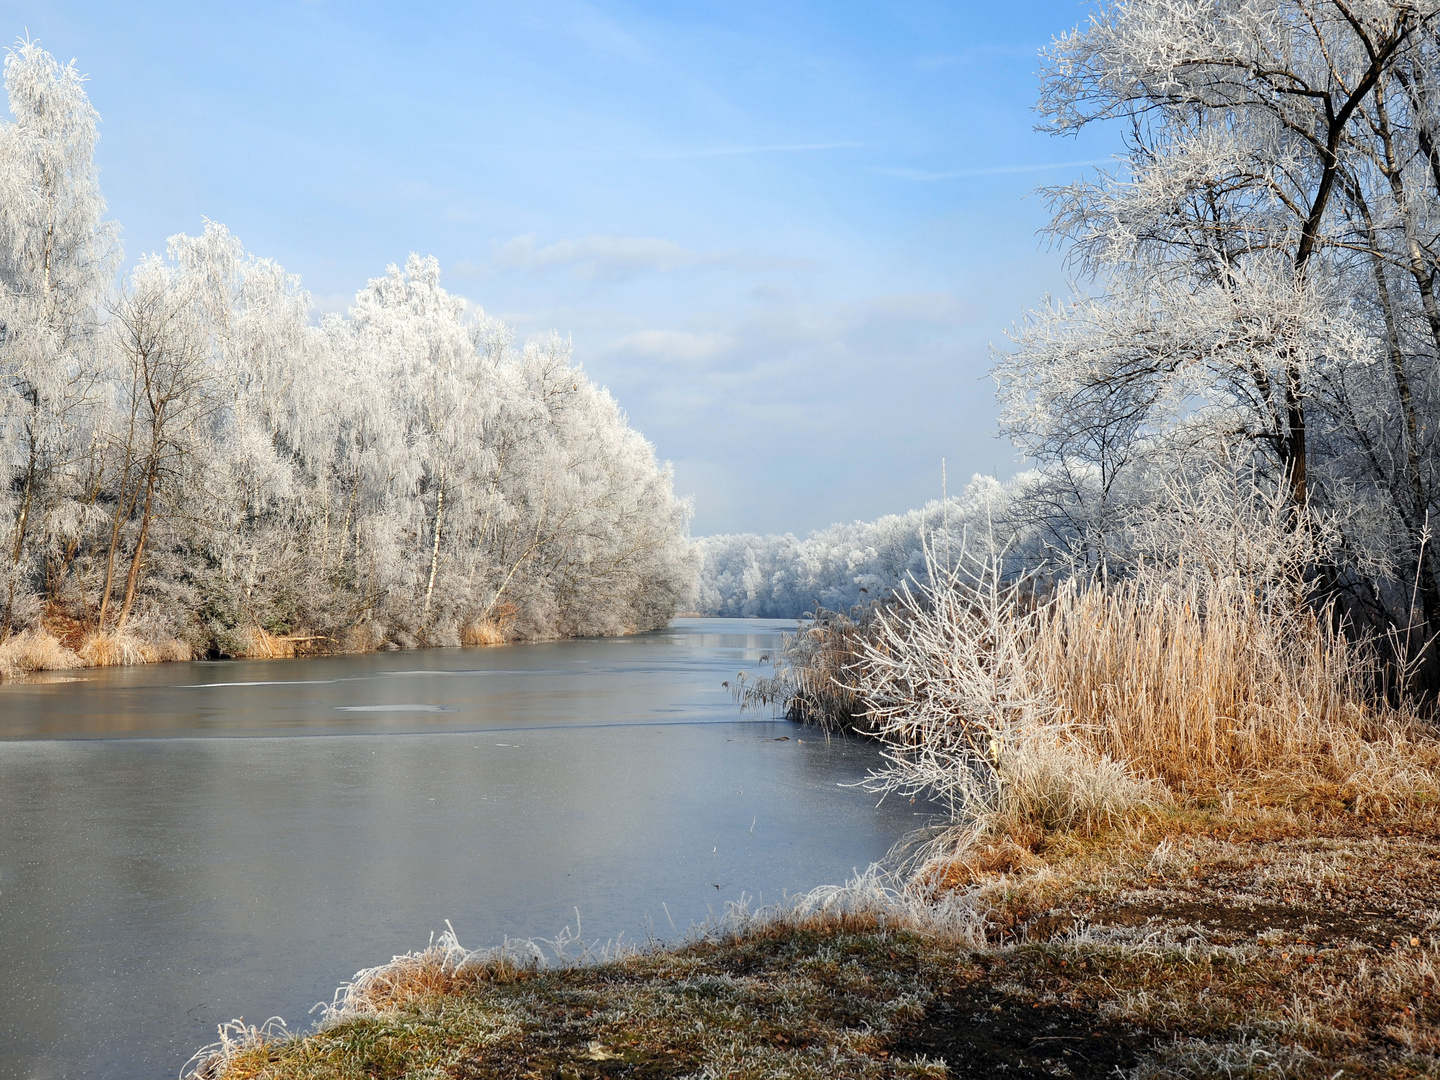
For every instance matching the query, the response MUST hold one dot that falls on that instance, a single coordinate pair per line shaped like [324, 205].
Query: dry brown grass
[263, 645]
[1096, 704]
[109, 648]
[35, 650]
[40, 650]
[495, 628]
[1212, 690]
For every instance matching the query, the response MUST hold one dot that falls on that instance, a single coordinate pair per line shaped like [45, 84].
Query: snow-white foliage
[778, 576]
[191, 456]
[1258, 275]
[1257, 298]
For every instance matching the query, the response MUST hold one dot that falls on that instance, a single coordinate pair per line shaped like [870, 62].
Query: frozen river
[187, 843]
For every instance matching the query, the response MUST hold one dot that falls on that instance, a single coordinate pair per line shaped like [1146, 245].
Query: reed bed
[1027, 712]
[111, 648]
[36, 649]
[260, 644]
[495, 627]
[811, 681]
[1206, 687]
[483, 632]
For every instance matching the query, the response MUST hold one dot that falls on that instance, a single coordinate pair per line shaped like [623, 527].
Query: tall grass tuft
[108, 648]
[495, 627]
[953, 691]
[1200, 686]
[812, 680]
[35, 650]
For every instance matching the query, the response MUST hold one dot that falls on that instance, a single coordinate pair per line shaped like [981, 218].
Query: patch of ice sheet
[476, 671]
[273, 682]
[411, 707]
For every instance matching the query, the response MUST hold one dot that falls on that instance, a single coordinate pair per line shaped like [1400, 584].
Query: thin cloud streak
[778, 148]
[998, 170]
[614, 258]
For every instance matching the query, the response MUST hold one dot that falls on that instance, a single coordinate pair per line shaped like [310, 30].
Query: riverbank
[1205, 942]
[67, 646]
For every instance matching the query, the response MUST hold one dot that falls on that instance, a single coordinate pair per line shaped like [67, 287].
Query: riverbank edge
[1194, 942]
[36, 651]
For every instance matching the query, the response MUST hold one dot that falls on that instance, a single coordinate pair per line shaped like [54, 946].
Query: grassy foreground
[1190, 944]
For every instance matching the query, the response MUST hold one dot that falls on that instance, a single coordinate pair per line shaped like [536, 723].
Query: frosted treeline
[1219, 515]
[192, 458]
[781, 577]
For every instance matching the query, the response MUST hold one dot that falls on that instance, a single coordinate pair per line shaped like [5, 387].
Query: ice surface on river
[183, 844]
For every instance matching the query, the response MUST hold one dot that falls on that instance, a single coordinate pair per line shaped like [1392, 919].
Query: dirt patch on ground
[979, 1031]
[1324, 929]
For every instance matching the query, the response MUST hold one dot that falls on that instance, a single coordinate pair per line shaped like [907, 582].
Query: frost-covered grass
[1178, 947]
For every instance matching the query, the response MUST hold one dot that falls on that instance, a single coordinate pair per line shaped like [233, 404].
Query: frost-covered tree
[1258, 274]
[164, 380]
[745, 575]
[191, 457]
[57, 256]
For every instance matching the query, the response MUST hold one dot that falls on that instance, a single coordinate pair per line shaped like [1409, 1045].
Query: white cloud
[925, 176]
[597, 257]
[671, 345]
[788, 413]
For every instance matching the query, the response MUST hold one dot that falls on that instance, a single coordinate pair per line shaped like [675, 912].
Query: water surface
[187, 843]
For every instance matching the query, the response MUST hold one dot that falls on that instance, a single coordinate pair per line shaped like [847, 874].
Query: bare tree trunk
[435, 547]
[1380, 56]
[1419, 266]
[18, 548]
[124, 507]
[132, 579]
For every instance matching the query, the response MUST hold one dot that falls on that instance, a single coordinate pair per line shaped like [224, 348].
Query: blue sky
[783, 234]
